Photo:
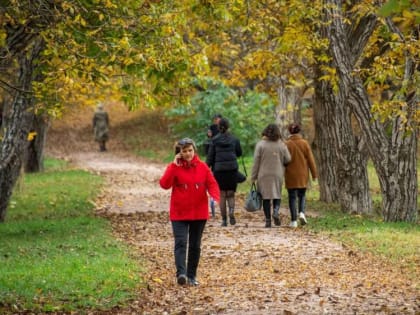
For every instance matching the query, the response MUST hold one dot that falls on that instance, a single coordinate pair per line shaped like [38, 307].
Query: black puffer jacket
[223, 151]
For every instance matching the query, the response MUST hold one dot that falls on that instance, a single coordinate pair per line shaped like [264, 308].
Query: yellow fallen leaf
[158, 280]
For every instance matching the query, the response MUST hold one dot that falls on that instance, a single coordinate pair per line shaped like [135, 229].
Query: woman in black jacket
[222, 157]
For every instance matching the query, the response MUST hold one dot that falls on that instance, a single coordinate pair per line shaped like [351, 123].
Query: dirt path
[245, 269]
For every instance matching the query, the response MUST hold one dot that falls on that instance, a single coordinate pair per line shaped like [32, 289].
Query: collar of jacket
[295, 136]
[193, 162]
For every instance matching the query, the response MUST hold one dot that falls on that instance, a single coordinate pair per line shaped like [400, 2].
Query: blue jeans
[187, 236]
[300, 193]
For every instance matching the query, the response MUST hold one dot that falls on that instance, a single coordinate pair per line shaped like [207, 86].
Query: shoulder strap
[243, 165]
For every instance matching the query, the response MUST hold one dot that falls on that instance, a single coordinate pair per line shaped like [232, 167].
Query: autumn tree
[279, 46]
[60, 53]
[377, 57]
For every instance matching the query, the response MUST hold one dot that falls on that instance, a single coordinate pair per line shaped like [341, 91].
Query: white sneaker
[293, 224]
[302, 219]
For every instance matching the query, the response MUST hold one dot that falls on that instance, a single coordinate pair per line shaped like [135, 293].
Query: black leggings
[267, 206]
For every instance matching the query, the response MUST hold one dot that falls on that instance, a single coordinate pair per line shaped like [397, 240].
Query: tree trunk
[34, 155]
[324, 143]
[343, 174]
[342, 168]
[16, 131]
[394, 150]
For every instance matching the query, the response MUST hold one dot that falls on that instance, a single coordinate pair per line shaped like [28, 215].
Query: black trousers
[187, 237]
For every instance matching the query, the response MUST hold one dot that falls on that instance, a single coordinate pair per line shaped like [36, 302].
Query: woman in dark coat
[222, 157]
[100, 123]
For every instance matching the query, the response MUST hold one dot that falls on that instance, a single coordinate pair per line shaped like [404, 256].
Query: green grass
[398, 242]
[55, 255]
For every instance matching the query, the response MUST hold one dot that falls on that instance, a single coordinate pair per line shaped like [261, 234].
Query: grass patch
[55, 255]
[398, 242]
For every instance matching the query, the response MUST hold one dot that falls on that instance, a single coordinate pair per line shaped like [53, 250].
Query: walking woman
[100, 123]
[270, 156]
[297, 173]
[222, 157]
[191, 180]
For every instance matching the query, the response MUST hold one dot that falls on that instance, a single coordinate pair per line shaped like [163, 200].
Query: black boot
[224, 221]
[276, 217]
[276, 211]
[267, 212]
[232, 219]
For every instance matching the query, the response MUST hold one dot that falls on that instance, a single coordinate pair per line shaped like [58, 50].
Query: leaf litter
[244, 269]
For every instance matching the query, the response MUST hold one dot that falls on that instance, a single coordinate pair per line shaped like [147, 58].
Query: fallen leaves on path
[246, 268]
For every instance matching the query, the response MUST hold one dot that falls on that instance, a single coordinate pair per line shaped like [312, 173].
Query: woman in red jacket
[191, 181]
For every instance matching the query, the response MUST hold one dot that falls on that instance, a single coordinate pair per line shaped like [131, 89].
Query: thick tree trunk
[343, 174]
[394, 157]
[324, 142]
[394, 150]
[16, 131]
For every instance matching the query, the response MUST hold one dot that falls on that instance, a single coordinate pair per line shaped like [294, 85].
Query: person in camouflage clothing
[101, 127]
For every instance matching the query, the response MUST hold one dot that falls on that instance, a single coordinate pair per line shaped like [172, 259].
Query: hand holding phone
[178, 159]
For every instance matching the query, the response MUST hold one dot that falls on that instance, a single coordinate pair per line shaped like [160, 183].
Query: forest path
[244, 269]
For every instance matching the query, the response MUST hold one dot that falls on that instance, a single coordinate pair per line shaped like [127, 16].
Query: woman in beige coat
[297, 173]
[270, 156]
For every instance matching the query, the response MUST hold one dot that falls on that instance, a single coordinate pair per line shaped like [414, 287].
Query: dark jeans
[187, 235]
[300, 193]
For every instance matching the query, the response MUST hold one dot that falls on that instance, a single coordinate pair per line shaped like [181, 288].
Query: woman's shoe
[193, 281]
[302, 218]
[182, 279]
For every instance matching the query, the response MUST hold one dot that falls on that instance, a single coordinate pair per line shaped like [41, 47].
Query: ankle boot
[232, 220]
[276, 216]
[267, 213]
[224, 221]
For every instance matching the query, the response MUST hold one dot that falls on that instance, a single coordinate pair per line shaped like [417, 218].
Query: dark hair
[294, 128]
[184, 142]
[223, 125]
[217, 116]
[272, 132]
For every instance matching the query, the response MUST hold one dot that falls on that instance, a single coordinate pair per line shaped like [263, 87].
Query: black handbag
[241, 177]
[253, 201]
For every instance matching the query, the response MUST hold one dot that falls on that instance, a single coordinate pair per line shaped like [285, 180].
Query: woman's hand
[177, 159]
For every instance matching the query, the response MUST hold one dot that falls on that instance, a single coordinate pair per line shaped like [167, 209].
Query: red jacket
[190, 184]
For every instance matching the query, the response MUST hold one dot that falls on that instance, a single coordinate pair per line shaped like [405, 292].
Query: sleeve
[211, 155]
[287, 158]
[311, 162]
[167, 179]
[238, 148]
[256, 165]
[212, 186]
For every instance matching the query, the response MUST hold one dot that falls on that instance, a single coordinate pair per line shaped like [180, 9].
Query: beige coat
[268, 167]
[297, 171]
